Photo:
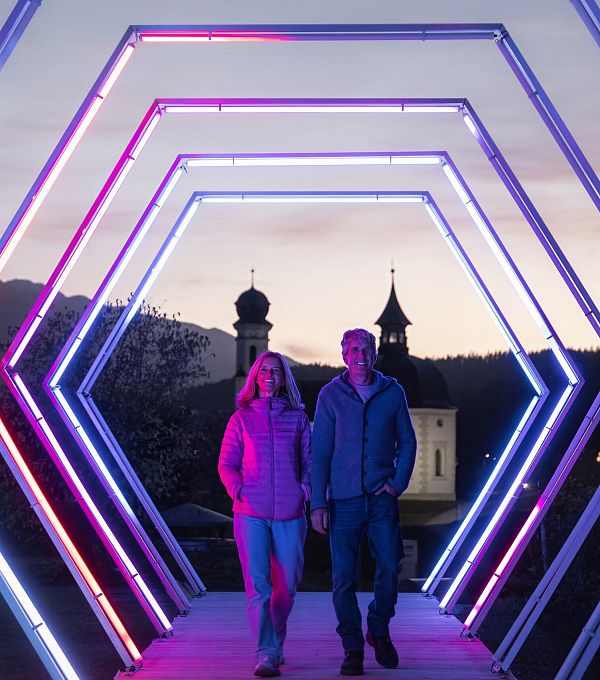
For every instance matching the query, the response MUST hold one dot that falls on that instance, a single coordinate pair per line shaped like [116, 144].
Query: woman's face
[270, 377]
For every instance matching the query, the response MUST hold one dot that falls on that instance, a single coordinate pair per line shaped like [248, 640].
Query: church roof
[252, 306]
[421, 379]
[393, 315]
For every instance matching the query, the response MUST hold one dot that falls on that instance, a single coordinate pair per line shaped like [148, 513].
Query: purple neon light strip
[509, 559]
[14, 26]
[33, 625]
[171, 241]
[46, 435]
[589, 12]
[4, 243]
[420, 32]
[470, 204]
[149, 215]
[571, 150]
[151, 212]
[228, 197]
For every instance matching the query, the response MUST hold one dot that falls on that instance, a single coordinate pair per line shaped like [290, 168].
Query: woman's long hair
[250, 391]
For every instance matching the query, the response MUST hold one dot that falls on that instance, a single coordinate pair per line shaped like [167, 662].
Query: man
[364, 449]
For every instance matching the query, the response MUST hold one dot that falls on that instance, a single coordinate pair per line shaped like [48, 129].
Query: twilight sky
[324, 268]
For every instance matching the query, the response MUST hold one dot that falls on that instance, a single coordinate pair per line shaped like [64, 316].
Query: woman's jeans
[272, 557]
[350, 518]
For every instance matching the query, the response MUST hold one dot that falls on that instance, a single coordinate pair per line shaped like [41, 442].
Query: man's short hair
[358, 333]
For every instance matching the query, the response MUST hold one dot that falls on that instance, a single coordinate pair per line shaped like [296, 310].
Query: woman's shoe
[266, 668]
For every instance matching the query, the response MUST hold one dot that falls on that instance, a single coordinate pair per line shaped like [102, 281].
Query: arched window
[393, 337]
[252, 354]
[439, 463]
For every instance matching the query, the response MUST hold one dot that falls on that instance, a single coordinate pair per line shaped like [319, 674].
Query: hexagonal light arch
[185, 106]
[185, 161]
[413, 32]
[335, 32]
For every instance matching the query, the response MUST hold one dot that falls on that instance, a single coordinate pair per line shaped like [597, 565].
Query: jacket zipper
[362, 454]
[272, 459]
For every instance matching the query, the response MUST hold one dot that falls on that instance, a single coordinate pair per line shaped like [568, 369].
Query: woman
[265, 465]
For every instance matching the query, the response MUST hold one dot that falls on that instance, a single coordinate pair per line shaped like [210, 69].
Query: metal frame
[33, 625]
[535, 605]
[14, 26]
[101, 606]
[187, 106]
[380, 32]
[503, 570]
[185, 162]
[583, 651]
[589, 12]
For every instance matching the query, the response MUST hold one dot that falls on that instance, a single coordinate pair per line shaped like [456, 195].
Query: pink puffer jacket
[265, 459]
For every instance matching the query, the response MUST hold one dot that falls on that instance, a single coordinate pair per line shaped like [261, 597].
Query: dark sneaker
[385, 652]
[266, 668]
[353, 662]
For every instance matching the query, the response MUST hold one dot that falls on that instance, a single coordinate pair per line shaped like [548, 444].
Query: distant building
[434, 417]
[252, 331]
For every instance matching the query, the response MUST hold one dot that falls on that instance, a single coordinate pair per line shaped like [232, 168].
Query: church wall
[434, 476]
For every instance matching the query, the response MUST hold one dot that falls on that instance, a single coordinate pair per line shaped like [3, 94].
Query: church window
[393, 337]
[252, 354]
[439, 463]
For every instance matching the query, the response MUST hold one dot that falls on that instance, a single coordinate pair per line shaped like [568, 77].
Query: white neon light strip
[248, 198]
[517, 482]
[36, 624]
[86, 498]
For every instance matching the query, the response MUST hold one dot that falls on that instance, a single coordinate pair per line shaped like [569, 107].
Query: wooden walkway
[214, 643]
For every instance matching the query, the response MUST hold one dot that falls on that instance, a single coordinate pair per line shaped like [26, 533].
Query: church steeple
[393, 322]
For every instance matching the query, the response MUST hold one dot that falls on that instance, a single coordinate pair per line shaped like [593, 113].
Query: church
[433, 415]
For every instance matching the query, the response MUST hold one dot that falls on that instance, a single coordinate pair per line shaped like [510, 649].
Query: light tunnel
[539, 99]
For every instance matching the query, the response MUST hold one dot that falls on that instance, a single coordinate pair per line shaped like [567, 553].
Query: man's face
[359, 358]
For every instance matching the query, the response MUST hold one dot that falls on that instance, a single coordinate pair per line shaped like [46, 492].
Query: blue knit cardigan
[358, 446]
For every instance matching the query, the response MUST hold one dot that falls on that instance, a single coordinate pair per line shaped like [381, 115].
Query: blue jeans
[349, 519]
[272, 558]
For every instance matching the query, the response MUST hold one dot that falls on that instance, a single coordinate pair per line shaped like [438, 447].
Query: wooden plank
[214, 642]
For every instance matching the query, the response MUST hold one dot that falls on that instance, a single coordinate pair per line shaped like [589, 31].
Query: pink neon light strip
[69, 546]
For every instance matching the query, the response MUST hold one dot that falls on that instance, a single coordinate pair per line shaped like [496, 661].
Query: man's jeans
[272, 557]
[350, 518]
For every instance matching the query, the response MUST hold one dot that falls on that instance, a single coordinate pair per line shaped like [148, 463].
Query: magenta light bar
[84, 578]
[515, 550]
[59, 457]
[33, 625]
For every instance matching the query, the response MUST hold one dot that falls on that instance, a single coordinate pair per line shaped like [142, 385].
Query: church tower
[393, 322]
[433, 415]
[252, 331]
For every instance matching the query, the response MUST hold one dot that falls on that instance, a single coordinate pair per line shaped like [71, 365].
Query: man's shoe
[353, 662]
[385, 652]
[266, 668]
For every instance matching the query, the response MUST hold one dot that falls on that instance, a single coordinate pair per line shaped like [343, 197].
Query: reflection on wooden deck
[214, 643]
